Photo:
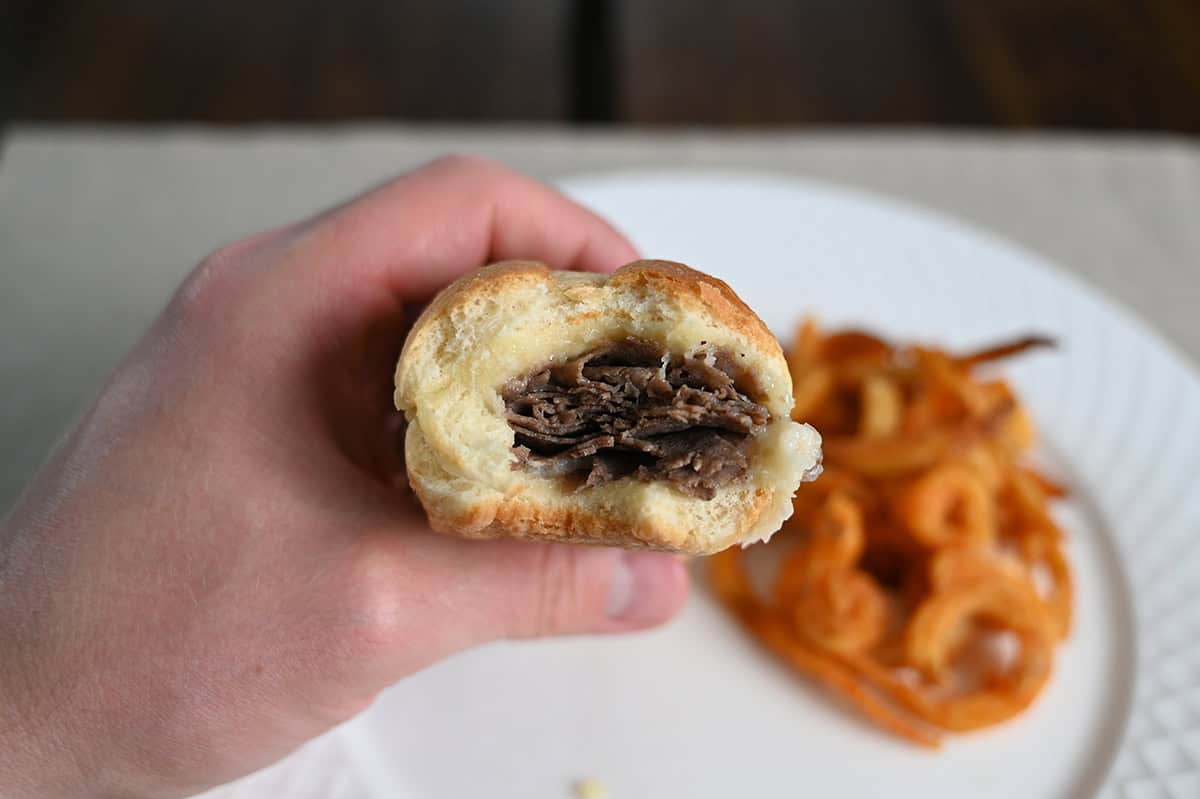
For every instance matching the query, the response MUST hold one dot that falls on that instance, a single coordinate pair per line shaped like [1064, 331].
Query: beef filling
[632, 408]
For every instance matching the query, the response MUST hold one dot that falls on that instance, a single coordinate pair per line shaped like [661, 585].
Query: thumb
[516, 589]
[559, 589]
[418, 596]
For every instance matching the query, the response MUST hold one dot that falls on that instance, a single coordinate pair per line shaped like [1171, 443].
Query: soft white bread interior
[510, 318]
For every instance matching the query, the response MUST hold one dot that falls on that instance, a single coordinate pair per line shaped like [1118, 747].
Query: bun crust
[515, 316]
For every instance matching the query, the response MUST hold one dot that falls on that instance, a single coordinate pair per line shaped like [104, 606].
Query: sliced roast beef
[630, 408]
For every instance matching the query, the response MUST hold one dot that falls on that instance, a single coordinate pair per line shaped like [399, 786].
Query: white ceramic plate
[695, 710]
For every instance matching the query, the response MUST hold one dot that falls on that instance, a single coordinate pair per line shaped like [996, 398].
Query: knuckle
[219, 275]
[204, 289]
[468, 163]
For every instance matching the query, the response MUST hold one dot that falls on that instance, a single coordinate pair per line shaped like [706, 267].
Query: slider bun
[513, 317]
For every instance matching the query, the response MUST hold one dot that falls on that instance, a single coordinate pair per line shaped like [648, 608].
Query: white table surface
[97, 226]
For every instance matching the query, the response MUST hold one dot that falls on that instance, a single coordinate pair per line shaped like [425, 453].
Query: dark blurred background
[1103, 64]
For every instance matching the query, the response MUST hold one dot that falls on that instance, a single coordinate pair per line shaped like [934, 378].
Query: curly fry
[987, 466]
[894, 456]
[855, 345]
[841, 610]
[1050, 488]
[1028, 501]
[834, 541]
[947, 506]
[1040, 550]
[807, 347]
[812, 388]
[999, 598]
[834, 480]
[1005, 350]
[881, 407]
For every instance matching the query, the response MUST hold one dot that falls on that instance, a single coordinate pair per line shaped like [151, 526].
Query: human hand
[217, 564]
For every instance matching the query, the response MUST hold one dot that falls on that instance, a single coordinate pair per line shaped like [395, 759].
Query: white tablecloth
[97, 227]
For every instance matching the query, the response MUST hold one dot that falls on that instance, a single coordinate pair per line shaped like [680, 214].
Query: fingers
[422, 230]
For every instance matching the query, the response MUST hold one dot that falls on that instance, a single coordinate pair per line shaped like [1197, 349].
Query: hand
[217, 564]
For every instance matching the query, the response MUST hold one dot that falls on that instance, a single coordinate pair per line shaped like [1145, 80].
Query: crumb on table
[590, 788]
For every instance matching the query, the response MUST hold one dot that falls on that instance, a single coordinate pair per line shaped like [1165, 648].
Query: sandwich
[650, 409]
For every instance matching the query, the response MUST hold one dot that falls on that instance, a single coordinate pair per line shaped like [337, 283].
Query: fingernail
[645, 587]
[621, 588]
